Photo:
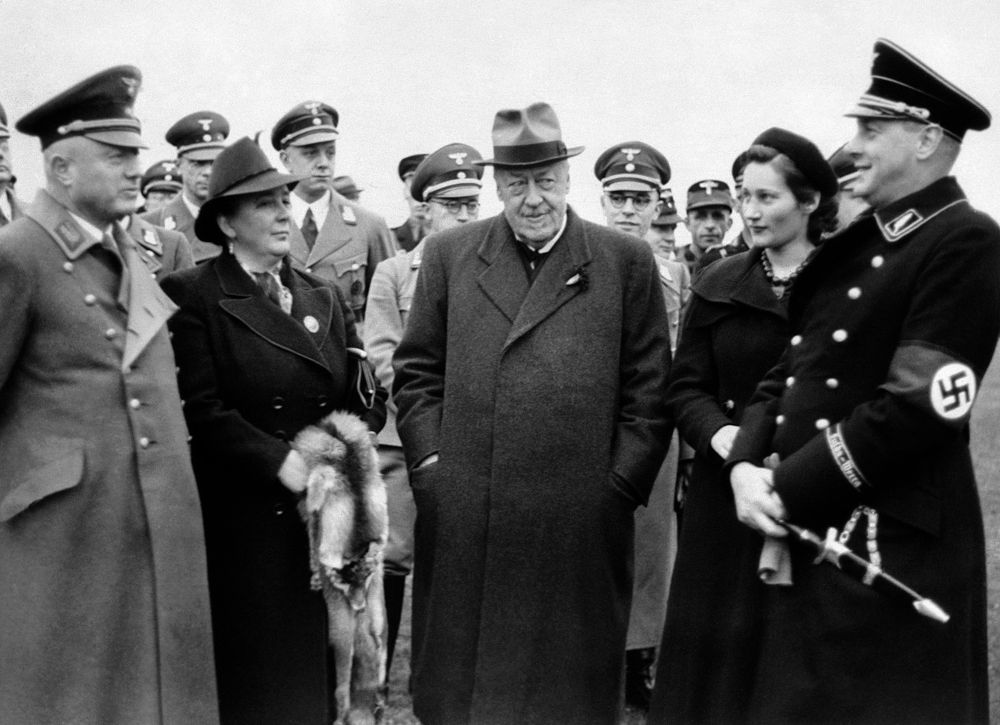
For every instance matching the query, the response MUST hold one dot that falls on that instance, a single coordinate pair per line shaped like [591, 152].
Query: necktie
[267, 282]
[309, 230]
[533, 260]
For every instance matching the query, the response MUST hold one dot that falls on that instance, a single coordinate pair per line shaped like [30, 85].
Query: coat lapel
[148, 243]
[333, 235]
[245, 302]
[503, 281]
[550, 290]
[149, 308]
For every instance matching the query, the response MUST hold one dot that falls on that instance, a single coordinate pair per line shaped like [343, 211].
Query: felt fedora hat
[240, 169]
[528, 137]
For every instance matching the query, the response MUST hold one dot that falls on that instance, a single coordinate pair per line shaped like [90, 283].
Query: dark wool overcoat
[734, 332]
[893, 325]
[545, 403]
[251, 377]
[104, 608]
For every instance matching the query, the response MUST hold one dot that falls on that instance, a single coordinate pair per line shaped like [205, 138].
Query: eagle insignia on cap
[131, 85]
[708, 186]
[206, 124]
[630, 154]
[169, 166]
[458, 157]
[313, 107]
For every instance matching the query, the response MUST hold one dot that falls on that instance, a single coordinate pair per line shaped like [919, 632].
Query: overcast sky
[698, 79]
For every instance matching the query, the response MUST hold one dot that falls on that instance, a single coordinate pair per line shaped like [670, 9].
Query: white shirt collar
[552, 242]
[93, 231]
[192, 207]
[320, 207]
[5, 206]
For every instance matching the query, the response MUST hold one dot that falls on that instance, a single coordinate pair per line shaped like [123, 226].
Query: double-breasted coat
[104, 609]
[545, 404]
[893, 324]
[175, 216]
[734, 332]
[251, 377]
[348, 247]
[162, 250]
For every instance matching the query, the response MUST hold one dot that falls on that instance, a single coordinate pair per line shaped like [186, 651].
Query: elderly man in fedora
[529, 385]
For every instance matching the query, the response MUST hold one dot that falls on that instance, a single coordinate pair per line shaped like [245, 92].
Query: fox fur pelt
[344, 507]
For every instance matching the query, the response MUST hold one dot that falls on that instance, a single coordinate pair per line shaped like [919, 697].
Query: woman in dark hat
[735, 330]
[262, 351]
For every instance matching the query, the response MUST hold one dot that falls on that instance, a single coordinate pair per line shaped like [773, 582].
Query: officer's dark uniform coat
[104, 609]
[525, 524]
[252, 377]
[348, 247]
[734, 332]
[162, 250]
[176, 216]
[893, 325]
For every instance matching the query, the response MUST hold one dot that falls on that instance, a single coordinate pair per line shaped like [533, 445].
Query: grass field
[986, 455]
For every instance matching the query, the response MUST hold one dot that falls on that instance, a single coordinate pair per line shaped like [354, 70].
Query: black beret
[739, 163]
[905, 88]
[804, 155]
[98, 108]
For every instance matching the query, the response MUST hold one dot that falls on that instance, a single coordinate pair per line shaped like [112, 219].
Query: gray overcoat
[546, 405]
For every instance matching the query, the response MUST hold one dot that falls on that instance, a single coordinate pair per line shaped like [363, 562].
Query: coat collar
[147, 241]
[333, 235]
[902, 217]
[506, 285]
[312, 307]
[55, 219]
[669, 273]
[739, 279]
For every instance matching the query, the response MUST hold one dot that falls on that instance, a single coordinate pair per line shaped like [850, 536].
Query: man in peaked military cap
[160, 184]
[345, 186]
[332, 236]
[849, 206]
[198, 137]
[529, 385]
[10, 207]
[104, 611]
[631, 176]
[662, 234]
[410, 232]
[449, 182]
[742, 240]
[868, 415]
[709, 216]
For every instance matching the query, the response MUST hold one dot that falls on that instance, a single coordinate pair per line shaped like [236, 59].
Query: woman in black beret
[735, 330]
[263, 351]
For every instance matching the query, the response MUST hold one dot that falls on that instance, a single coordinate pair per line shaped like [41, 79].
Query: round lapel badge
[311, 323]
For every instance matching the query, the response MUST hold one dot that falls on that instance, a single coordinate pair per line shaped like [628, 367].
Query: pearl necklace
[779, 285]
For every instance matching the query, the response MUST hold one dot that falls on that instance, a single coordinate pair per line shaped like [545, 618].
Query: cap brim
[124, 139]
[632, 185]
[308, 139]
[708, 202]
[574, 151]
[206, 227]
[457, 192]
[664, 221]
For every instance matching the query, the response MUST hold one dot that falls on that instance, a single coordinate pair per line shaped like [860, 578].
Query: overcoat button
[877, 261]
[110, 333]
[854, 292]
[832, 383]
[135, 404]
[144, 442]
[780, 419]
[279, 510]
[278, 402]
[839, 335]
[822, 424]
[89, 299]
[789, 381]
[322, 401]
[67, 266]
[797, 339]
[729, 405]
[309, 269]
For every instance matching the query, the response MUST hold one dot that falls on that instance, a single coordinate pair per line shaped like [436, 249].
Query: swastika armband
[934, 381]
[843, 458]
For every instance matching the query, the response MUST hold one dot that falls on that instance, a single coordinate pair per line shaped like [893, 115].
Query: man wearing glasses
[447, 183]
[632, 175]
